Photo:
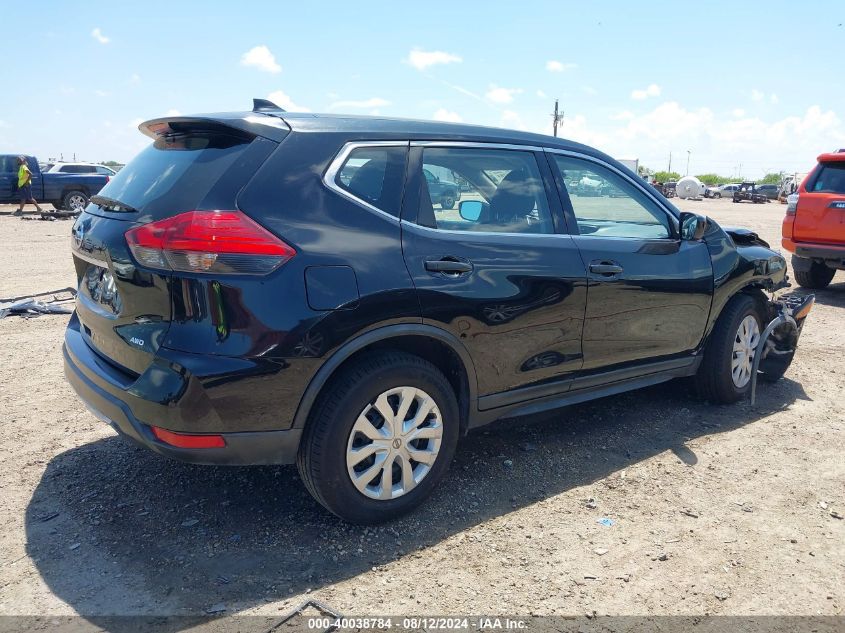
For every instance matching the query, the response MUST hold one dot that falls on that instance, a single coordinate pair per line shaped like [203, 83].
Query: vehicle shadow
[116, 530]
[833, 295]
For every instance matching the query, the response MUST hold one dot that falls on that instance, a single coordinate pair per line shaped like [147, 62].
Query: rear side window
[487, 190]
[177, 173]
[830, 178]
[374, 175]
[77, 169]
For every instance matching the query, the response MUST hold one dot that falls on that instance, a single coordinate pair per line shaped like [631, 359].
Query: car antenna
[264, 105]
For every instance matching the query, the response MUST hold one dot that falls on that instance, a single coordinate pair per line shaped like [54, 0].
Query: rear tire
[447, 202]
[818, 277]
[724, 376]
[75, 201]
[347, 422]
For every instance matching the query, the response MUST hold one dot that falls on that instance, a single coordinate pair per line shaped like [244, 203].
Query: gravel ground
[715, 509]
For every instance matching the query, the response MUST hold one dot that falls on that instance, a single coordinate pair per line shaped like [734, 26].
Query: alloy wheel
[77, 203]
[745, 344]
[394, 443]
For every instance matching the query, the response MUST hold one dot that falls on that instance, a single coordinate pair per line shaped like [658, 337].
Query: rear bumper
[811, 251]
[117, 405]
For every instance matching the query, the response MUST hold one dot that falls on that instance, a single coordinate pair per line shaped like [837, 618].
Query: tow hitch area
[780, 338]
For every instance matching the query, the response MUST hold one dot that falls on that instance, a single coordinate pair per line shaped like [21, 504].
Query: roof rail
[264, 105]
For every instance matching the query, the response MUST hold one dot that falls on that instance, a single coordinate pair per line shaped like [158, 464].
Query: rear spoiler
[264, 120]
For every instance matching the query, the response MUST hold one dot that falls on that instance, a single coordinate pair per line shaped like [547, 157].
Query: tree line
[709, 179]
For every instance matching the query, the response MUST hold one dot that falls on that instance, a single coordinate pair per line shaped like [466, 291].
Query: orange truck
[814, 225]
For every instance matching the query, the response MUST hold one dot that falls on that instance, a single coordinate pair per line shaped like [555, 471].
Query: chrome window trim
[605, 164]
[330, 175]
[491, 233]
[477, 145]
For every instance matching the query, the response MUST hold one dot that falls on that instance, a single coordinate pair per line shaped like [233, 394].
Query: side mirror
[693, 226]
[470, 210]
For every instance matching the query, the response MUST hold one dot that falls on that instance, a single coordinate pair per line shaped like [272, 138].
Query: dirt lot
[723, 510]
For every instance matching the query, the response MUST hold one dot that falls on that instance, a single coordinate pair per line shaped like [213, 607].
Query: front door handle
[448, 266]
[606, 268]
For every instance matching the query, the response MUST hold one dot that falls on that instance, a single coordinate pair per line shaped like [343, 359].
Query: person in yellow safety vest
[25, 186]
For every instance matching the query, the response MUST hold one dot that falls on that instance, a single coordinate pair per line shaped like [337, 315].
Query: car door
[649, 292]
[8, 174]
[497, 272]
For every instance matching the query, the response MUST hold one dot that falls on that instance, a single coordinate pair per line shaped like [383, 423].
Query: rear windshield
[175, 173]
[830, 178]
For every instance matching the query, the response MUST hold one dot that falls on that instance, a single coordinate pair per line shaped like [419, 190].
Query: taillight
[791, 204]
[221, 242]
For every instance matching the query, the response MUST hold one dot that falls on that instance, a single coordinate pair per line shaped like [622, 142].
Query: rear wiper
[112, 204]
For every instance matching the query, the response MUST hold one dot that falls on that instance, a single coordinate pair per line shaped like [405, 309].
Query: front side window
[607, 205]
[374, 175]
[489, 190]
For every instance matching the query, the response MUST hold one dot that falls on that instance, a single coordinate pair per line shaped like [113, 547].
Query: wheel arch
[437, 346]
[75, 189]
[754, 288]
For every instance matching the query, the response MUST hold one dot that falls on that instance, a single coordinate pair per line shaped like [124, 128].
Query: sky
[739, 89]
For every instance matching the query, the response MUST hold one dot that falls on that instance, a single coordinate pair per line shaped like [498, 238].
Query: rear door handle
[448, 266]
[606, 268]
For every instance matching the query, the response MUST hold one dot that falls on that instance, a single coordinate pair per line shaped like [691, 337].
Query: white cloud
[497, 94]
[101, 93]
[97, 34]
[173, 112]
[757, 95]
[261, 58]
[653, 90]
[3, 124]
[421, 60]
[284, 101]
[625, 115]
[513, 120]
[718, 143]
[135, 79]
[774, 98]
[373, 102]
[134, 123]
[558, 67]
[542, 94]
[443, 114]
[590, 90]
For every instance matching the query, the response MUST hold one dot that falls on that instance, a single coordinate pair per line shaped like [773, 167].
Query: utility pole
[688, 153]
[557, 118]
[669, 171]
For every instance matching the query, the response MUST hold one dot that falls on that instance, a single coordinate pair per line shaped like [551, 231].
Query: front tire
[447, 202]
[381, 436]
[818, 277]
[725, 373]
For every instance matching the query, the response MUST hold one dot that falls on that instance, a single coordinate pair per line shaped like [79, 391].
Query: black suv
[266, 287]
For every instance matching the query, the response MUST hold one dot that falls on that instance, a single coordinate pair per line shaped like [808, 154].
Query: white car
[81, 168]
[727, 191]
